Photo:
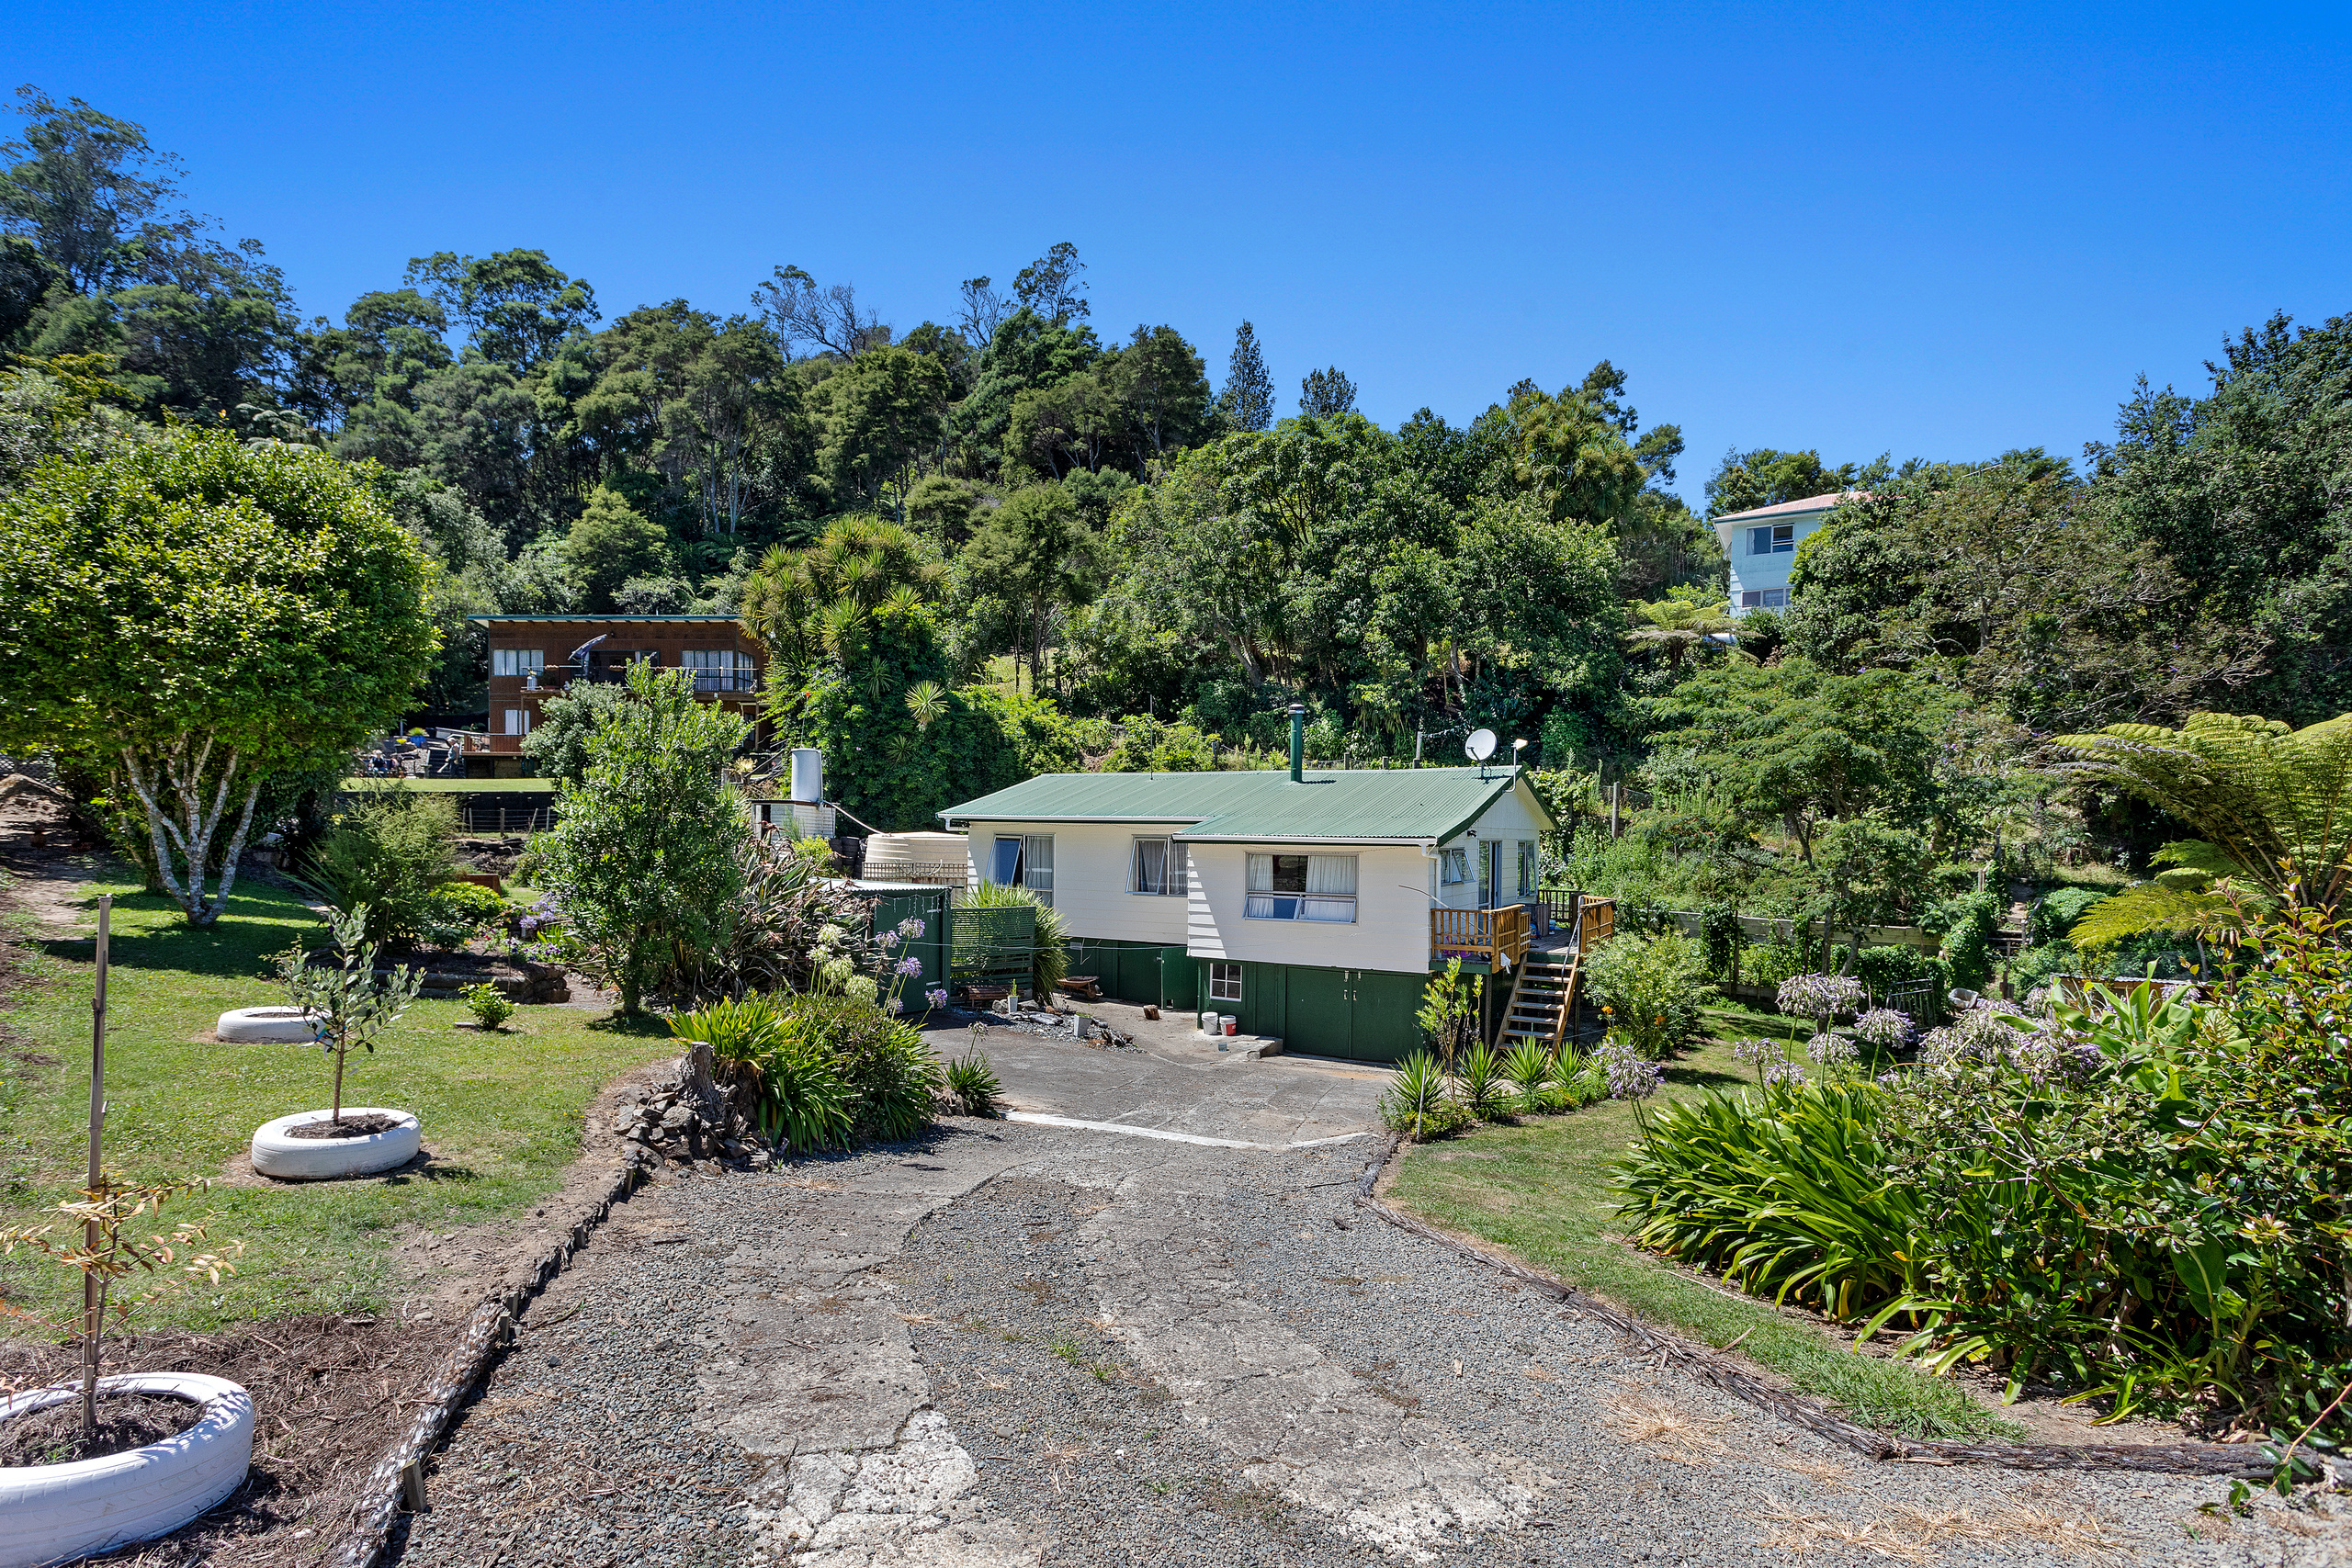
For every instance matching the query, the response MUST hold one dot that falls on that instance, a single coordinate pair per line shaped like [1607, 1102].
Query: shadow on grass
[643, 1024]
[150, 932]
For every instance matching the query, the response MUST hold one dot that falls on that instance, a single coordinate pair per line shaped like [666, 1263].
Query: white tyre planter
[54, 1513]
[316, 1159]
[273, 1026]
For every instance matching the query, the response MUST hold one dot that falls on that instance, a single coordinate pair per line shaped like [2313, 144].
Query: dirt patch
[125, 1421]
[349, 1127]
[329, 1394]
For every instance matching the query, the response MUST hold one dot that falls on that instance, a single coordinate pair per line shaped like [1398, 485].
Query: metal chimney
[1298, 742]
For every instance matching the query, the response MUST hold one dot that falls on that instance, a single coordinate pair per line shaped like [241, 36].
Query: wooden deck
[1495, 937]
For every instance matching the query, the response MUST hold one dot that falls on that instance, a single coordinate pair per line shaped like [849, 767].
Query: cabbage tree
[194, 615]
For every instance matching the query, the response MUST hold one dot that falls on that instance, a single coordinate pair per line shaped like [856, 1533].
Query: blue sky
[1933, 231]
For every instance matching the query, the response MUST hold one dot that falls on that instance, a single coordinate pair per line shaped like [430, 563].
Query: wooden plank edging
[485, 1334]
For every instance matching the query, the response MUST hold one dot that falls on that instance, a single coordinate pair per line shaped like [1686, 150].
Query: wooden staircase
[1542, 999]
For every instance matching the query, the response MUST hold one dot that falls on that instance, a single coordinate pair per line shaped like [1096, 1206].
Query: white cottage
[1312, 905]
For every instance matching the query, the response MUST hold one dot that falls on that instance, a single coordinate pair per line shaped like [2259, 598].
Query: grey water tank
[808, 775]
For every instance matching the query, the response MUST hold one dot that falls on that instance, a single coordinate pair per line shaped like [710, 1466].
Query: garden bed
[445, 975]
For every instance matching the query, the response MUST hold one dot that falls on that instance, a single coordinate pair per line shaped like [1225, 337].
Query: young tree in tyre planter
[351, 1005]
[189, 616]
[137, 1461]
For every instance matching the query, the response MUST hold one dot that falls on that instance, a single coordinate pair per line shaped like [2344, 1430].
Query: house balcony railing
[547, 682]
[1495, 937]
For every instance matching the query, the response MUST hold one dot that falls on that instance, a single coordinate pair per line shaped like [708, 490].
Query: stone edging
[484, 1335]
[1716, 1370]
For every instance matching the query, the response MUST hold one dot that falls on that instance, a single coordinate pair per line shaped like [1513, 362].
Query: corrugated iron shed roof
[1354, 806]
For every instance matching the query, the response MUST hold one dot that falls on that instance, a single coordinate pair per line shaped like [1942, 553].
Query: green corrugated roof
[1352, 805]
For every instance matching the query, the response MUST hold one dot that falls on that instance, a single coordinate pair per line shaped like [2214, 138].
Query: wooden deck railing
[1494, 936]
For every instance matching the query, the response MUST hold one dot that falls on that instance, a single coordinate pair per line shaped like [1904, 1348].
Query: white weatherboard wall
[1511, 818]
[1091, 863]
[1392, 923]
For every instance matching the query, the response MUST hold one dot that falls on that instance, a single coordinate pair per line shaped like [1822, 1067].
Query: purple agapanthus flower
[936, 996]
[888, 939]
[911, 928]
[909, 966]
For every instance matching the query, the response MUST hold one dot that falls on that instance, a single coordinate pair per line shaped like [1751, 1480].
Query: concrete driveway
[1016, 1344]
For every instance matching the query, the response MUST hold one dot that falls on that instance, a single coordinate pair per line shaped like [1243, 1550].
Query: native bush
[1968, 940]
[1416, 1104]
[1651, 989]
[389, 851]
[972, 1083]
[1480, 1082]
[886, 1063]
[2143, 1200]
[489, 1005]
[1533, 1072]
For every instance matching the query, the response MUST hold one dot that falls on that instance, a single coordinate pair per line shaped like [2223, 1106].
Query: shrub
[2054, 913]
[1899, 967]
[1771, 963]
[458, 912]
[1450, 1009]
[1480, 1080]
[1651, 989]
[350, 1004]
[389, 851]
[1968, 940]
[973, 1084]
[489, 1005]
[1533, 1073]
[1415, 1103]
[1588, 1082]
[886, 1063]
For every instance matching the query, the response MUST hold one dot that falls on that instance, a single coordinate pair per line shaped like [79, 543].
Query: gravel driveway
[1019, 1344]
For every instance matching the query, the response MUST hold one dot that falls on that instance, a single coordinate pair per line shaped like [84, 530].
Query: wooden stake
[91, 1303]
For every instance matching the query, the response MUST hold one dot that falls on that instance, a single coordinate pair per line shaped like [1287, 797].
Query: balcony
[1483, 940]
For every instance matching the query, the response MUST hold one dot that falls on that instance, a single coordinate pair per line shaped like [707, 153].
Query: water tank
[808, 775]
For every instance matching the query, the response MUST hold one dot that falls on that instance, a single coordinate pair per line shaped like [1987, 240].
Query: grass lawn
[458, 786]
[502, 1115]
[1541, 1189]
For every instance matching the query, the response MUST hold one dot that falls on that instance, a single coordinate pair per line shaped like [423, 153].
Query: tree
[828, 320]
[1324, 392]
[516, 306]
[192, 615]
[1161, 379]
[1050, 285]
[2272, 805]
[806, 605]
[1745, 481]
[881, 412]
[1035, 551]
[645, 859]
[1676, 626]
[1249, 396]
[985, 309]
[1800, 747]
[83, 186]
[610, 545]
[560, 738]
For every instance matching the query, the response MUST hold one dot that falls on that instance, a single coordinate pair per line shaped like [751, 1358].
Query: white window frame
[1454, 867]
[518, 661]
[1764, 599]
[517, 722]
[1225, 981]
[1025, 870]
[1531, 868]
[1172, 878]
[1271, 903]
[1771, 539]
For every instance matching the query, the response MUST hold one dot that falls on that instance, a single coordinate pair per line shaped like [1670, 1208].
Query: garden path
[1022, 1344]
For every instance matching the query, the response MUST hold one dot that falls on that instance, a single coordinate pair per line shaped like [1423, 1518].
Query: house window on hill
[1026, 862]
[518, 661]
[1156, 866]
[1454, 866]
[1772, 539]
[1764, 599]
[1302, 887]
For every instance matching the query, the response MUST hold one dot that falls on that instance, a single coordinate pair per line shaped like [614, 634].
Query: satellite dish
[1480, 746]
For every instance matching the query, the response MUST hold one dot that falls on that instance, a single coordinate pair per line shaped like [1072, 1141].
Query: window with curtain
[1158, 866]
[1302, 887]
[1454, 867]
[1025, 861]
[718, 670]
[518, 661]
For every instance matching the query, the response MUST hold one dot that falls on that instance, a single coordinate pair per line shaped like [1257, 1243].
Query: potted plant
[98, 1463]
[352, 1005]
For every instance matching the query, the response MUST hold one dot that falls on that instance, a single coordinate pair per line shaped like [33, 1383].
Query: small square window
[1225, 982]
[1454, 866]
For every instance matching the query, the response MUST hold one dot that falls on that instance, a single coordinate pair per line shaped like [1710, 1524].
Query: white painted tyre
[54, 1513]
[318, 1160]
[276, 1026]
